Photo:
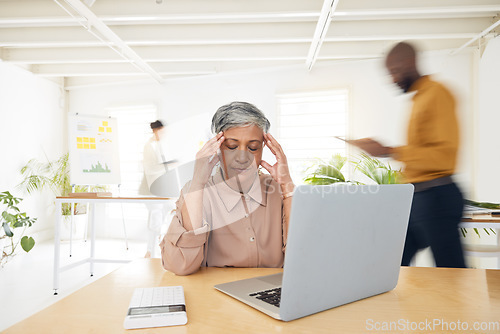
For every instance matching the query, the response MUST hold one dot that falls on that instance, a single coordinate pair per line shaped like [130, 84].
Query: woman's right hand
[206, 158]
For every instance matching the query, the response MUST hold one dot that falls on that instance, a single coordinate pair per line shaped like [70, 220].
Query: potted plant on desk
[13, 219]
[326, 172]
[322, 173]
[55, 176]
[378, 171]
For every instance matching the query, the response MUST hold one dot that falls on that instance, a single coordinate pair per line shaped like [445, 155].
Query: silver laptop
[345, 243]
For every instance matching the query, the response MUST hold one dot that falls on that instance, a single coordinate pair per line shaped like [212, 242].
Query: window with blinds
[133, 133]
[307, 126]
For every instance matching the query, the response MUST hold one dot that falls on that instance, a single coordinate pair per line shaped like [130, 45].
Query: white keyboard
[156, 307]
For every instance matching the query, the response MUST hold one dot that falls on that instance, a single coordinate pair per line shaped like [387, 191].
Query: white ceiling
[121, 40]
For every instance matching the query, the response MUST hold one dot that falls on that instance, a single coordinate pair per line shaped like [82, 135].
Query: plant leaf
[376, 170]
[27, 243]
[477, 232]
[485, 205]
[52, 174]
[8, 231]
[324, 173]
[320, 180]
[9, 218]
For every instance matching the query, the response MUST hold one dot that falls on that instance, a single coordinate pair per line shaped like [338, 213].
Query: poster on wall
[93, 150]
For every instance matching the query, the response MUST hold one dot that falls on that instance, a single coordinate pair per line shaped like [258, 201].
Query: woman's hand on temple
[206, 158]
[279, 171]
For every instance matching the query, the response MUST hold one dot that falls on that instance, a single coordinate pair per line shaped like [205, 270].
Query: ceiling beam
[337, 49]
[416, 13]
[212, 7]
[82, 55]
[174, 11]
[125, 69]
[164, 69]
[478, 36]
[108, 36]
[16, 22]
[40, 14]
[162, 35]
[408, 26]
[239, 33]
[383, 4]
[320, 32]
[74, 83]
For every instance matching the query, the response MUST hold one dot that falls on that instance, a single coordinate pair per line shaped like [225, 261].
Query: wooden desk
[480, 222]
[451, 295]
[92, 201]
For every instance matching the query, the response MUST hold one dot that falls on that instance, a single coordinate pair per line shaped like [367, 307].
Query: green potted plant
[12, 219]
[54, 175]
[326, 172]
[321, 172]
[377, 171]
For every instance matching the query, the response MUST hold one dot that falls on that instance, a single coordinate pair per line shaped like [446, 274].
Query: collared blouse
[239, 230]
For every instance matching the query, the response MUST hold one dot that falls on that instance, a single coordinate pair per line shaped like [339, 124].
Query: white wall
[32, 125]
[378, 109]
[488, 132]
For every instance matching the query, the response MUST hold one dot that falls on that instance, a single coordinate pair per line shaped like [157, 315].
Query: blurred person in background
[430, 158]
[154, 166]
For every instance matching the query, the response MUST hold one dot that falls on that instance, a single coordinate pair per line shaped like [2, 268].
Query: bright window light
[307, 126]
[133, 133]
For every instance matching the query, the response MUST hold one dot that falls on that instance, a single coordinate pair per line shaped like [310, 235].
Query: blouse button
[252, 239]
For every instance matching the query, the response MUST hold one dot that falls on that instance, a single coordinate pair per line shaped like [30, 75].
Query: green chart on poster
[93, 150]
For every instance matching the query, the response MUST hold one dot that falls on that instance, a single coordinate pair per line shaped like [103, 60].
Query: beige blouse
[239, 230]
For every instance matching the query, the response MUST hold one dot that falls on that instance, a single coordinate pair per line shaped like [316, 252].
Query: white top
[153, 165]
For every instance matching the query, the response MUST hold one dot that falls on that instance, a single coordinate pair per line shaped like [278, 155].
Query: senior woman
[237, 216]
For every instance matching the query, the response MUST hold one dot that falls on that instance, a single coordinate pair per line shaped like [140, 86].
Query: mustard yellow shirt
[433, 134]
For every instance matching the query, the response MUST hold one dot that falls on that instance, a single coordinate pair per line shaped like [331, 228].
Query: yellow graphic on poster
[93, 150]
[81, 143]
[105, 128]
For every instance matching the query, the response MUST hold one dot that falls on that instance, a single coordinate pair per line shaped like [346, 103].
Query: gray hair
[237, 114]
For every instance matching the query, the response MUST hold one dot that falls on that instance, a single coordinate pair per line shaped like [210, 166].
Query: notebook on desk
[345, 243]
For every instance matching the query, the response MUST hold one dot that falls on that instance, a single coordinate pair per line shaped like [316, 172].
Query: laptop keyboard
[272, 296]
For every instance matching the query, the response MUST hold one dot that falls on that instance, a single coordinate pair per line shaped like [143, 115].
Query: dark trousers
[434, 218]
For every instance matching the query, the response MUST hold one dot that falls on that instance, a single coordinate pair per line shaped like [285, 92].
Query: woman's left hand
[279, 171]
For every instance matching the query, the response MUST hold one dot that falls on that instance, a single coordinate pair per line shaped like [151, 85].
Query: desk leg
[57, 241]
[92, 239]
[498, 246]
[72, 208]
